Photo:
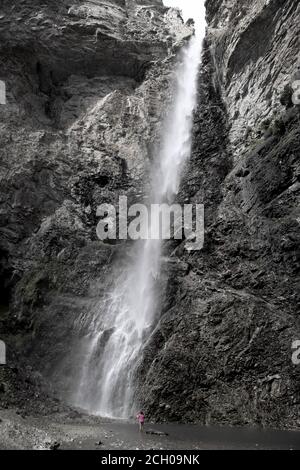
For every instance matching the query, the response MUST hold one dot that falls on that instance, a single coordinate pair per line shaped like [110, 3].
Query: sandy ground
[84, 432]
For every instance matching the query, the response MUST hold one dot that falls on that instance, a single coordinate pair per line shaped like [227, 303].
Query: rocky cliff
[222, 352]
[87, 83]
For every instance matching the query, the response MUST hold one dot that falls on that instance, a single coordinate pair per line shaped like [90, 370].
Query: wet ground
[17, 432]
[126, 436]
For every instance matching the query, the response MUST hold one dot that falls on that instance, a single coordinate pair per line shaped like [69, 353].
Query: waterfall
[121, 325]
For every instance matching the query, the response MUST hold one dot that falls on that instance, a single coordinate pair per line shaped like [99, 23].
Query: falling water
[119, 327]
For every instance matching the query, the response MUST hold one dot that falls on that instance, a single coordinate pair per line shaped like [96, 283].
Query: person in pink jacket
[141, 420]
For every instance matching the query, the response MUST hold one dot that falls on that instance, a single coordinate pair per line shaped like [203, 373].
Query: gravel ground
[71, 431]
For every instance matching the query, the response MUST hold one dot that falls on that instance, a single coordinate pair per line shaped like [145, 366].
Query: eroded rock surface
[223, 350]
[87, 86]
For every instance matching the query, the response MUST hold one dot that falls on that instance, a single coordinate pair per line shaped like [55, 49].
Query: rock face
[256, 54]
[87, 83]
[222, 352]
[86, 86]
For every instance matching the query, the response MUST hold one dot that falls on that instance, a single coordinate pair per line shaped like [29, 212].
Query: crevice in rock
[6, 281]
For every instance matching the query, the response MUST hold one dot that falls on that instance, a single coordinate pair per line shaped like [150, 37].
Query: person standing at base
[141, 420]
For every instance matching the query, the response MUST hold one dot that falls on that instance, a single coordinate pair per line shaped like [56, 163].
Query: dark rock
[156, 433]
[238, 317]
[87, 84]
[54, 446]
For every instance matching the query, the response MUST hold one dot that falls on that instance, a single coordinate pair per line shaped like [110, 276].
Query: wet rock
[216, 346]
[156, 433]
[54, 446]
[78, 130]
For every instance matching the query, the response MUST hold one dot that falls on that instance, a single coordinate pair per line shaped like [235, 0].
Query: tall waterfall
[120, 326]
